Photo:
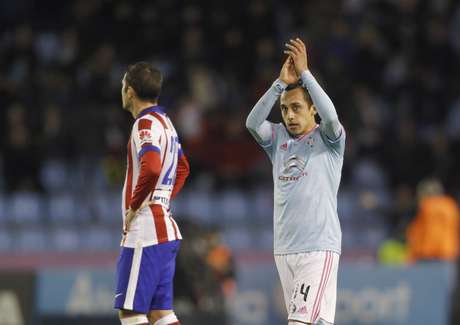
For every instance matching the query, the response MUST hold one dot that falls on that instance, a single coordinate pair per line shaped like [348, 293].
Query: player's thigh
[162, 299]
[128, 317]
[326, 314]
[286, 277]
[156, 315]
[136, 280]
[312, 273]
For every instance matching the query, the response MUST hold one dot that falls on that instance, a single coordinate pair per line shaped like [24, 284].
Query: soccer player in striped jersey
[156, 171]
[307, 162]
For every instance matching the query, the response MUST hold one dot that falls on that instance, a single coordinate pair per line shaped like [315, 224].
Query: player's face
[124, 94]
[298, 115]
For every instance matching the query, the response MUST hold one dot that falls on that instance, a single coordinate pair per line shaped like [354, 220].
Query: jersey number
[167, 180]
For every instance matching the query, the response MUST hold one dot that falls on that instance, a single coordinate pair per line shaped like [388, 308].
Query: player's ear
[313, 109]
[130, 92]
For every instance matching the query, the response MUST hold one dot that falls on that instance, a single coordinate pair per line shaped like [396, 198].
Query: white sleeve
[330, 123]
[146, 136]
[257, 123]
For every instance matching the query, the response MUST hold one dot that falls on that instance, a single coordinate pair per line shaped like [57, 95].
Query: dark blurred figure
[21, 155]
[205, 274]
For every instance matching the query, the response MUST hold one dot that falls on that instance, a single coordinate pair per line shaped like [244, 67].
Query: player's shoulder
[336, 145]
[151, 121]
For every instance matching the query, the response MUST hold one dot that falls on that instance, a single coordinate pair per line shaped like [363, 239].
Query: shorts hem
[308, 251]
[298, 320]
[161, 307]
[137, 311]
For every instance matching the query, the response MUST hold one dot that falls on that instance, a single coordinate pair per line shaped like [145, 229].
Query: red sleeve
[148, 176]
[183, 170]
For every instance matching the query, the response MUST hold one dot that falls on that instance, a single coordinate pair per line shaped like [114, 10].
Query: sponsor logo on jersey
[294, 162]
[145, 136]
[291, 178]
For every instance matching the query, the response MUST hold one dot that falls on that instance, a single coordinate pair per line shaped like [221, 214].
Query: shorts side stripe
[326, 280]
[318, 292]
[133, 278]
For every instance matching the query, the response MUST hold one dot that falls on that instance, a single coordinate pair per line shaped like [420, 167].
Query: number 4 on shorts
[304, 291]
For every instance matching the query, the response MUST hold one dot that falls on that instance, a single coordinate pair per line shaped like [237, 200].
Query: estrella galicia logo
[294, 162]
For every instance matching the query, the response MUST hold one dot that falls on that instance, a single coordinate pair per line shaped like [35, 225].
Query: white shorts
[309, 282]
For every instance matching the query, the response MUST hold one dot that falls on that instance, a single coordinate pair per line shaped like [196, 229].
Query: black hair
[299, 84]
[145, 79]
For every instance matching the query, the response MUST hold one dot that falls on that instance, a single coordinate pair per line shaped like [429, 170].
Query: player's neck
[307, 130]
[140, 106]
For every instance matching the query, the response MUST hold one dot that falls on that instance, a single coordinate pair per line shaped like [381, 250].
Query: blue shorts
[145, 277]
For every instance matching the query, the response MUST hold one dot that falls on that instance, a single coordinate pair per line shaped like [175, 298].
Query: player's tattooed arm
[256, 122]
[330, 124]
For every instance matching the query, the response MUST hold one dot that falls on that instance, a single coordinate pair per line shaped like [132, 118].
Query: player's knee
[127, 318]
[163, 319]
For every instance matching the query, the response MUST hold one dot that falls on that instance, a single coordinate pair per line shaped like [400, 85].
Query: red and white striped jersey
[153, 224]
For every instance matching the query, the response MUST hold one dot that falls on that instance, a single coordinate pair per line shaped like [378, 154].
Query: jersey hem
[150, 243]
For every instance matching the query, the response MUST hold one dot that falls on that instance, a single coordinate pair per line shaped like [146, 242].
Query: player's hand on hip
[287, 73]
[296, 49]
[129, 217]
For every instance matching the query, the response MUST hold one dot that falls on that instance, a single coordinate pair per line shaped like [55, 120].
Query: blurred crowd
[392, 69]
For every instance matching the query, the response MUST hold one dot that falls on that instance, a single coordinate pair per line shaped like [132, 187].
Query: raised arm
[329, 119]
[256, 122]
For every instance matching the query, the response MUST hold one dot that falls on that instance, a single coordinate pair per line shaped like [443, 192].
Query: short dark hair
[299, 84]
[145, 79]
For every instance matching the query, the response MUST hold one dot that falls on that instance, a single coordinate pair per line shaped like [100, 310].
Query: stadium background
[392, 69]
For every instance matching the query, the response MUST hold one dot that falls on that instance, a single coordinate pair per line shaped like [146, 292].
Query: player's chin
[293, 130]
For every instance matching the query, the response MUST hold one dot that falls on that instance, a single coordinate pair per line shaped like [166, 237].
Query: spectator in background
[434, 233]
[22, 163]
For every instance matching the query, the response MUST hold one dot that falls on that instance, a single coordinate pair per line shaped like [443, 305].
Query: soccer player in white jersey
[156, 171]
[307, 161]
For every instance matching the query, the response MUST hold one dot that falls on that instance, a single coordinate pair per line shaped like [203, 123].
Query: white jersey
[306, 176]
[153, 224]
[306, 173]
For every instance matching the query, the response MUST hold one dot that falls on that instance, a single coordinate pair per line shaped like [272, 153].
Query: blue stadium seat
[238, 238]
[31, 239]
[107, 207]
[261, 205]
[233, 207]
[54, 175]
[99, 238]
[66, 239]
[26, 207]
[6, 240]
[200, 207]
[61, 208]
